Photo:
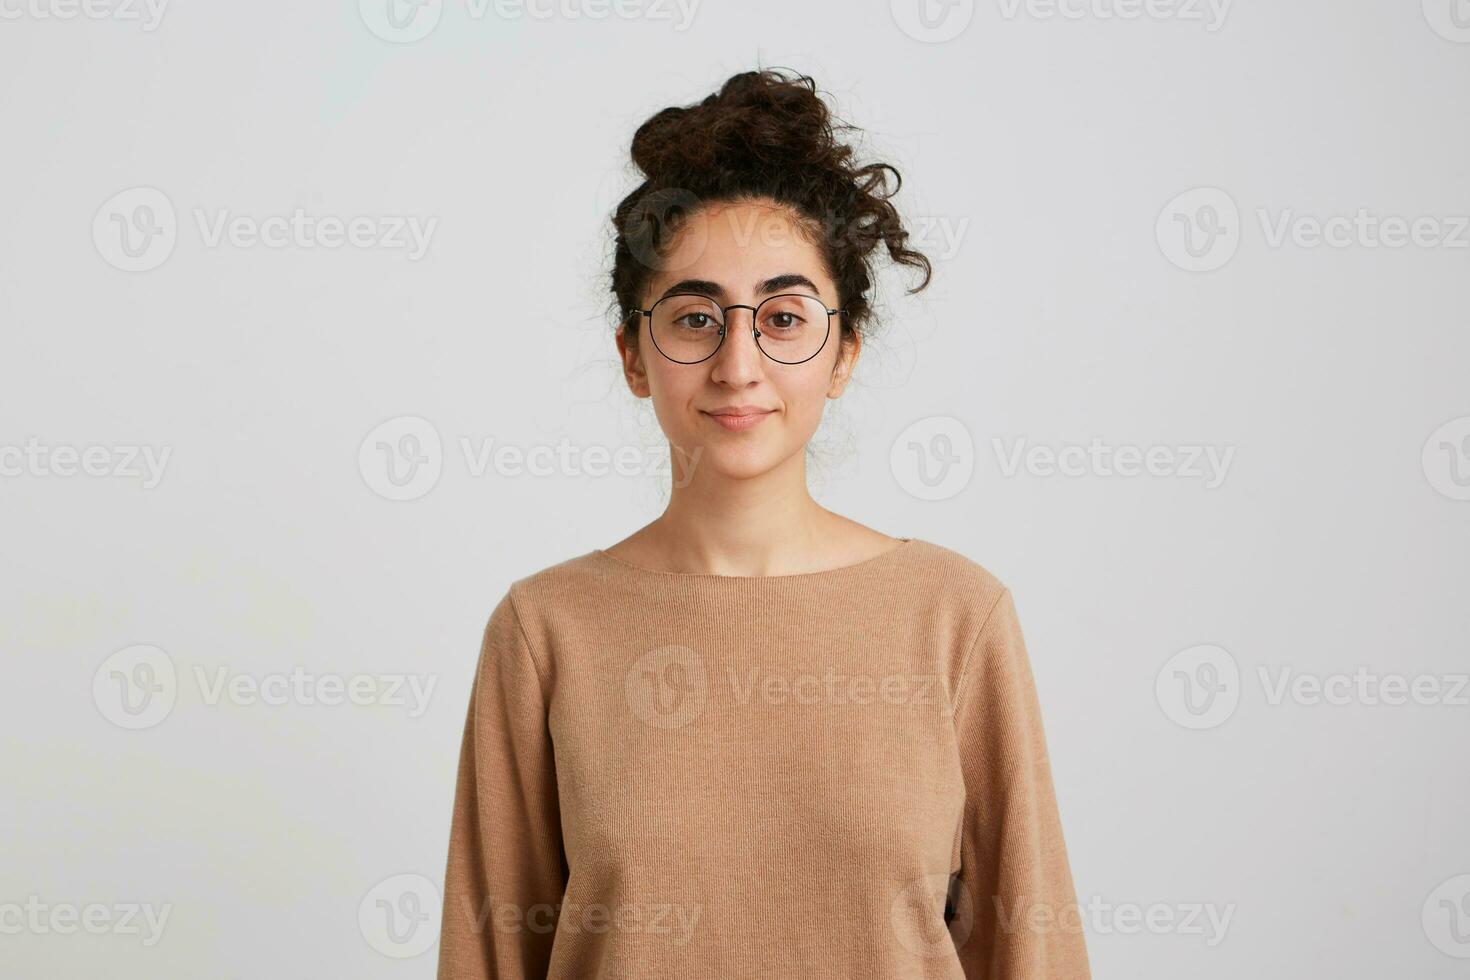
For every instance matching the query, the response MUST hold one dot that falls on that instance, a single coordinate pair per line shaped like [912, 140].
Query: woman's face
[739, 253]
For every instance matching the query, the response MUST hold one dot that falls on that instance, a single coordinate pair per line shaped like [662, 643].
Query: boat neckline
[904, 545]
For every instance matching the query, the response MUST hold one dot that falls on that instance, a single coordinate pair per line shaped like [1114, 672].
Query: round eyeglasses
[789, 328]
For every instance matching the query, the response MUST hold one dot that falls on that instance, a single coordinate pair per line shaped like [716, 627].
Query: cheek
[805, 398]
[672, 391]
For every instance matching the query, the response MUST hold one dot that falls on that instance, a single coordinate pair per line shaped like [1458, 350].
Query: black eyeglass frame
[647, 315]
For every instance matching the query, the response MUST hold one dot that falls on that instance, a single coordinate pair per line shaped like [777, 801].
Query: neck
[730, 525]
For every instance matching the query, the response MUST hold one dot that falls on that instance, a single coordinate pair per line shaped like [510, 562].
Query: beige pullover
[837, 774]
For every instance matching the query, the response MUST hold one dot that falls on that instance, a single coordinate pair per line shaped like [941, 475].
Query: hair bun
[749, 121]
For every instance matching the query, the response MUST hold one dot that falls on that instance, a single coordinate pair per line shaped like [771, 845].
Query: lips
[740, 410]
[739, 417]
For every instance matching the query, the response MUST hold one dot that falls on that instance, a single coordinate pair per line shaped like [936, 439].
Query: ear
[847, 357]
[633, 371]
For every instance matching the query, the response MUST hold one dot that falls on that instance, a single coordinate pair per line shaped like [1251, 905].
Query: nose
[738, 360]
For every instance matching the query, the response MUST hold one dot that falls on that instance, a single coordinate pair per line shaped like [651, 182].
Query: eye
[789, 315]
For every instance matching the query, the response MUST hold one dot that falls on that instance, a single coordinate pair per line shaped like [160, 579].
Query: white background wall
[1042, 149]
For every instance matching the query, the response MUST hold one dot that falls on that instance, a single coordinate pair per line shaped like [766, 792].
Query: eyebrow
[775, 284]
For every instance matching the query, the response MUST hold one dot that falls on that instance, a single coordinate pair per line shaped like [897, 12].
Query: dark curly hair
[763, 135]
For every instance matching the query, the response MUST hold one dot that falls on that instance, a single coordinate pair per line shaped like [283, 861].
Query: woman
[754, 738]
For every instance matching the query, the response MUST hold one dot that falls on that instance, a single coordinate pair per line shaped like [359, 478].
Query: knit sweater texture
[835, 774]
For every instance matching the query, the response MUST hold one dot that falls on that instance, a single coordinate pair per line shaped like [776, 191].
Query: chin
[738, 463]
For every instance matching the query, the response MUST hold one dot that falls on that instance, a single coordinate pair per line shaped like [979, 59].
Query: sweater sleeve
[1022, 921]
[506, 871]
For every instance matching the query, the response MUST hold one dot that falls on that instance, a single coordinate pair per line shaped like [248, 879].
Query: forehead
[741, 248]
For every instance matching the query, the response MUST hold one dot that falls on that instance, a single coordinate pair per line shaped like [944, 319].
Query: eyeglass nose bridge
[725, 322]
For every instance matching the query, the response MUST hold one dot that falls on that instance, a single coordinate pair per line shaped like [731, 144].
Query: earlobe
[839, 383]
[633, 371]
[637, 380]
[842, 370]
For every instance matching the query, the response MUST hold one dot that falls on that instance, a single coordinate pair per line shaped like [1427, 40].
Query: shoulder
[964, 597]
[576, 589]
[965, 603]
[956, 575]
[537, 606]
[568, 577]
